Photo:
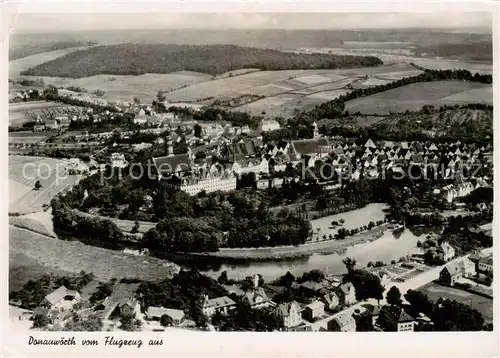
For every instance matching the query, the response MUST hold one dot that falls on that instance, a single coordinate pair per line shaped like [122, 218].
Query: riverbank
[73, 256]
[293, 252]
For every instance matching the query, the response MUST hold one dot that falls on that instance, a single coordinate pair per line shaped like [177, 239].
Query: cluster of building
[329, 297]
[475, 265]
[243, 154]
[61, 305]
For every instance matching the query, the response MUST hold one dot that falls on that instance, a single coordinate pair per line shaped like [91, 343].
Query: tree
[38, 185]
[394, 296]
[223, 277]
[286, 280]
[92, 323]
[367, 284]
[166, 320]
[40, 321]
[98, 93]
[349, 264]
[135, 229]
[419, 302]
[197, 130]
[314, 275]
[451, 315]
[160, 97]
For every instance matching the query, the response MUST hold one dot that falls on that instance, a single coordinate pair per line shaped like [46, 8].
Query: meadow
[288, 91]
[414, 96]
[484, 305]
[125, 88]
[32, 255]
[24, 171]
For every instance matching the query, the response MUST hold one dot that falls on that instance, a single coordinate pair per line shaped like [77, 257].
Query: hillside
[476, 51]
[137, 59]
[473, 122]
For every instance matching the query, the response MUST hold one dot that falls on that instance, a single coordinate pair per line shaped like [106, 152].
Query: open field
[404, 56]
[125, 225]
[18, 111]
[73, 256]
[16, 66]
[24, 171]
[31, 224]
[286, 91]
[125, 88]
[414, 96]
[27, 137]
[23, 268]
[352, 219]
[484, 305]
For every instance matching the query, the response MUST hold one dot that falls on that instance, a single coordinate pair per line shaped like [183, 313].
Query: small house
[62, 298]
[155, 314]
[331, 300]
[219, 304]
[289, 313]
[342, 323]
[448, 251]
[346, 293]
[314, 311]
[450, 274]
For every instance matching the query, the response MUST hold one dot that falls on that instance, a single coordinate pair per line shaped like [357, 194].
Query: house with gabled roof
[450, 274]
[447, 250]
[342, 323]
[219, 304]
[289, 313]
[331, 300]
[62, 298]
[257, 298]
[405, 322]
[346, 293]
[370, 144]
[314, 311]
[155, 314]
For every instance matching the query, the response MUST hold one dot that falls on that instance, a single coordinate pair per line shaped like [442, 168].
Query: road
[411, 284]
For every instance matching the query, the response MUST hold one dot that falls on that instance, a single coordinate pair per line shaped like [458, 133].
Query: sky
[45, 23]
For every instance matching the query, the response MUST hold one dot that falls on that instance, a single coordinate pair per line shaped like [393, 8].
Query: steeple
[170, 147]
[315, 130]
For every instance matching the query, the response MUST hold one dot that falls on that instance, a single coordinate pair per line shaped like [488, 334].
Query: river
[388, 247]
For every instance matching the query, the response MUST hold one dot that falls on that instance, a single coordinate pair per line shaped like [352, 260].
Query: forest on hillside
[474, 51]
[137, 59]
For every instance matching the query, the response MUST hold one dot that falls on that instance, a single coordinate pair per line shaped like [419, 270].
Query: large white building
[194, 175]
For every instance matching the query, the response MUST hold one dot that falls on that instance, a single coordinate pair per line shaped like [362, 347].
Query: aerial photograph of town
[291, 172]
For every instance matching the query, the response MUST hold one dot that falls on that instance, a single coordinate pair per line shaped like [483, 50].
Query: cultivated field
[285, 91]
[414, 96]
[125, 88]
[16, 66]
[21, 112]
[27, 137]
[484, 305]
[25, 171]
